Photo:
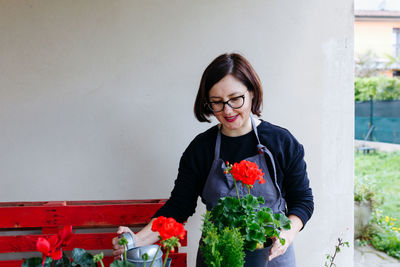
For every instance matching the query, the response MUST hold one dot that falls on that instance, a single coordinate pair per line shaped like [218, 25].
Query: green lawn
[381, 170]
[379, 173]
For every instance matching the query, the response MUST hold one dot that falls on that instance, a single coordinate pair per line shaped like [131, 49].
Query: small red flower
[168, 227]
[247, 172]
[48, 248]
[65, 235]
[157, 223]
[52, 247]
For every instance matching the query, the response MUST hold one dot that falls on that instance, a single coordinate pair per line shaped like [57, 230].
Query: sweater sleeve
[298, 194]
[193, 166]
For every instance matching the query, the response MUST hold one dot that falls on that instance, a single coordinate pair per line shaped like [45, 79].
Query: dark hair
[235, 65]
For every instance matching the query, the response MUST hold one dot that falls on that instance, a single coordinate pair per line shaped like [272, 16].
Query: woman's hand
[142, 238]
[289, 235]
[118, 250]
[279, 249]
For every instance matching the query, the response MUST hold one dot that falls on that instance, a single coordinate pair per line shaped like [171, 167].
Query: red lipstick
[231, 119]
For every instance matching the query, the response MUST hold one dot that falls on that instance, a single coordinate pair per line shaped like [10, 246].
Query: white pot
[362, 215]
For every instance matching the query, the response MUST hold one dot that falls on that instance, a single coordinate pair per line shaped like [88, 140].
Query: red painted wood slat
[178, 260]
[82, 202]
[16, 263]
[81, 216]
[27, 243]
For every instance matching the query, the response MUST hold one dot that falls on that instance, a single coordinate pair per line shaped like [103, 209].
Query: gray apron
[219, 185]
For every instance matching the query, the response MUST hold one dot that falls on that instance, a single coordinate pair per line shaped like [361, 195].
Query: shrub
[378, 88]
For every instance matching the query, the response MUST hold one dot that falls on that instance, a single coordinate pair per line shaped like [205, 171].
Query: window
[396, 42]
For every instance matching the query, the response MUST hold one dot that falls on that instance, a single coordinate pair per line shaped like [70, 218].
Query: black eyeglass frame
[225, 102]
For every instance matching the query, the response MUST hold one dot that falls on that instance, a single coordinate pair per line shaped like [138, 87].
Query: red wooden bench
[95, 221]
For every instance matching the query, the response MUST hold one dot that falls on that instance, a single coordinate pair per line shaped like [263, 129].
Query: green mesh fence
[385, 119]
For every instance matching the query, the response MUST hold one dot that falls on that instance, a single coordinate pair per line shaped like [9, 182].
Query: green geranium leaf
[269, 231]
[264, 217]
[118, 263]
[63, 262]
[35, 262]
[255, 223]
[251, 245]
[82, 257]
[277, 216]
[284, 221]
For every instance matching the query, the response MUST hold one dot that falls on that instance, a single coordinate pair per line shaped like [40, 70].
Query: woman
[231, 90]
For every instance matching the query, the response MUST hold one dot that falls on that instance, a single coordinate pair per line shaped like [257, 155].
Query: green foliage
[99, 258]
[221, 248]
[123, 241]
[82, 258]
[118, 263]
[386, 234]
[36, 262]
[364, 189]
[64, 262]
[170, 243]
[377, 88]
[382, 170]
[330, 259]
[254, 223]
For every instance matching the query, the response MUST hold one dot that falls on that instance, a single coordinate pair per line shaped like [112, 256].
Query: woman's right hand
[118, 250]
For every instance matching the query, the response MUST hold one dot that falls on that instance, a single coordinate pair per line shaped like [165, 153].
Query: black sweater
[197, 159]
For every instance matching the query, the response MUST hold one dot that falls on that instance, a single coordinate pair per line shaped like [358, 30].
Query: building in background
[377, 37]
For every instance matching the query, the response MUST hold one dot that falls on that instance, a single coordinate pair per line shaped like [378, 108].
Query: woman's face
[235, 122]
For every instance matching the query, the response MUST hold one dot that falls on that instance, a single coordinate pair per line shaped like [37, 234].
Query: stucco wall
[96, 98]
[375, 35]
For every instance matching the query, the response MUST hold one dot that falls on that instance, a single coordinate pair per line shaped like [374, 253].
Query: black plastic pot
[257, 258]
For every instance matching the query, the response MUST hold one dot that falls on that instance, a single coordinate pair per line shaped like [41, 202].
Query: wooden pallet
[95, 221]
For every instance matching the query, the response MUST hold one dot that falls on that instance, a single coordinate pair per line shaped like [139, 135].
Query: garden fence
[384, 116]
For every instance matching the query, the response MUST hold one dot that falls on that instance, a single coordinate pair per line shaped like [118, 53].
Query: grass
[380, 173]
[381, 170]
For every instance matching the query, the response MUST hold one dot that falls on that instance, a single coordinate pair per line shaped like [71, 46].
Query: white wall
[96, 97]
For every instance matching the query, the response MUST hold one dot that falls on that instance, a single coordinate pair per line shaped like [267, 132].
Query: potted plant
[364, 198]
[256, 225]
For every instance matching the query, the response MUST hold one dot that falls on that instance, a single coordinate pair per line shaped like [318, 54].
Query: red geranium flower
[170, 231]
[180, 231]
[157, 223]
[247, 172]
[168, 227]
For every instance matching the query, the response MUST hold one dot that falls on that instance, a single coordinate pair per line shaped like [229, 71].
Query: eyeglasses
[235, 103]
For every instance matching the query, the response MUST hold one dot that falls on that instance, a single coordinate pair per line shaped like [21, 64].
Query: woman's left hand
[289, 235]
[279, 249]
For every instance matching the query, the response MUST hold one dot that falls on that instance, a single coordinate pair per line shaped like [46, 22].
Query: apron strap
[263, 149]
[217, 145]
[253, 123]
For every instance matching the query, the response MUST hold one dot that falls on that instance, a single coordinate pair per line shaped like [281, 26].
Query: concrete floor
[367, 256]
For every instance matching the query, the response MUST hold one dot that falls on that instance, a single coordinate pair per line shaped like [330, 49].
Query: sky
[377, 4]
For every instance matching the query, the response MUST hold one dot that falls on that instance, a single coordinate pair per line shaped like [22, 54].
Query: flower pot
[362, 215]
[134, 256]
[258, 257]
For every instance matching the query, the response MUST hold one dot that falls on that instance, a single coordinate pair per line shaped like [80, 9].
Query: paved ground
[367, 256]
